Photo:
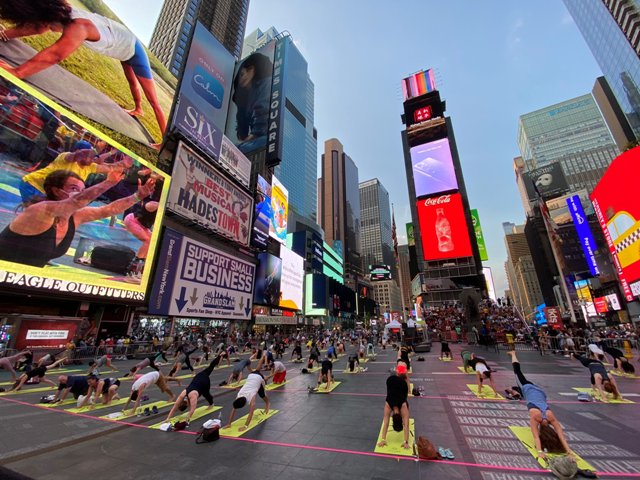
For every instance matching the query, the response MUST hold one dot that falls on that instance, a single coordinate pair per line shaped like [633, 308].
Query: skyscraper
[226, 19]
[298, 168]
[611, 29]
[404, 273]
[521, 273]
[376, 245]
[341, 207]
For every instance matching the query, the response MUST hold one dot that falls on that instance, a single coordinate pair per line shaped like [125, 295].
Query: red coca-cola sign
[443, 228]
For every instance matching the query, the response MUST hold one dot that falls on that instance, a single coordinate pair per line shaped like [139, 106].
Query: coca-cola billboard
[443, 227]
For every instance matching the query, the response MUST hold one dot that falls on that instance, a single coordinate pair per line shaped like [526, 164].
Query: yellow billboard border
[41, 272]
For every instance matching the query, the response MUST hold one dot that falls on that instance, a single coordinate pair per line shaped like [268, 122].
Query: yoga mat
[98, 406]
[467, 372]
[445, 359]
[258, 417]
[526, 437]
[487, 392]
[411, 389]
[322, 388]
[355, 370]
[68, 401]
[597, 395]
[122, 415]
[273, 386]
[395, 439]
[235, 385]
[314, 369]
[29, 390]
[200, 412]
[612, 372]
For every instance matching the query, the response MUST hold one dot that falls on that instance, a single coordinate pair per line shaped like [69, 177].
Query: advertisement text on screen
[274, 146]
[192, 123]
[441, 200]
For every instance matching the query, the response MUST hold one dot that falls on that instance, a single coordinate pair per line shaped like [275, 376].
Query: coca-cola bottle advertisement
[443, 227]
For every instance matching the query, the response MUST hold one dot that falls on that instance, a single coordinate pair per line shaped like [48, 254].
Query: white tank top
[115, 40]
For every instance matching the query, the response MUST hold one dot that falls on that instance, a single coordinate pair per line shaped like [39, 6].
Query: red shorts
[279, 377]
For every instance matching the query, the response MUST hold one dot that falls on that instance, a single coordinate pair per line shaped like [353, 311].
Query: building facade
[387, 295]
[299, 163]
[376, 244]
[225, 19]
[404, 274]
[340, 219]
[612, 32]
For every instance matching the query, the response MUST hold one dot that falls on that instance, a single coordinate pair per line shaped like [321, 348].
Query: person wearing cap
[200, 386]
[107, 388]
[396, 406]
[247, 394]
[83, 161]
[76, 384]
[95, 365]
[144, 382]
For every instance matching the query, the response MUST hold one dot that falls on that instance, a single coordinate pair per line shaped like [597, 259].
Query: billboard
[79, 213]
[268, 280]
[104, 74]
[583, 291]
[613, 302]
[418, 84]
[197, 280]
[380, 272]
[433, 170]
[581, 222]
[617, 207]
[443, 227]
[488, 277]
[280, 209]
[601, 304]
[263, 213]
[553, 316]
[46, 332]
[549, 180]
[292, 279]
[234, 162]
[248, 119]
[316, 297]
[200, 193]
[411, 239]
[477, 228]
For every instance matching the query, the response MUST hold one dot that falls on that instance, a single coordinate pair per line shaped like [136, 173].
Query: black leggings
[187, 360]
[521, 378]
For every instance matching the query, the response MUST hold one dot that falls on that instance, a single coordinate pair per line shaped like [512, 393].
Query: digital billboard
[581, 222]
[613, 302]
[234, 162]
[477, 228]
[418, 84]
[601, 304]
[197, 280]
[263, 213]
[280, 209]
[316, 297]
[202, 194]
[379, 272]
[96, 67]
[411, 239]
[549, 180]
[443, 227]
[583, 291]
[248, 118]
[268, 280]
[79, 213]
[488, 277]
[617, 205]
[292, 279]
[553, 316]
[433, 170]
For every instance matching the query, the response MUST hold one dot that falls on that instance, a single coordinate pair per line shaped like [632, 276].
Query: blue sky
[494, 60]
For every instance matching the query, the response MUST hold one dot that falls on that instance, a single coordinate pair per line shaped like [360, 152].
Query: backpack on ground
[210, 432]
[563, 467]
[426, 450]
[415, 392]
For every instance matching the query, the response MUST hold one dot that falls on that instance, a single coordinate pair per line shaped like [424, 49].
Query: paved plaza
[330, 435]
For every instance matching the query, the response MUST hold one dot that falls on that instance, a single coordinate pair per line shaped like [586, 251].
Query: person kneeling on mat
[107, 388]
[353, 361]
[396, 407]
[144, 382]
[600, 379]
[247, 394]
[278, 373]
[199, 386]
[75, 384]
[547, 431]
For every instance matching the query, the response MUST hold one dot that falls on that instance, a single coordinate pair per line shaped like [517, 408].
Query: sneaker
[146, 412]
[154, 410]
[449, 454]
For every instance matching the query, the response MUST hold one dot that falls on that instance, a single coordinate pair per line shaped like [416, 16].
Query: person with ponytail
[600, 379]
[547, 431]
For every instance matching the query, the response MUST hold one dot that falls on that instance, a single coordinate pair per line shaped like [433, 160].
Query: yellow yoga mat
[122, 415]
[323, 388]
[411, 389]
[200, 412]
[258, 417]
[317, 368]
[395, 440]
[273, 386]
[472, 372]
[445, 359]
[526, 437]
[487, 392]
[355, 370]
[597, 395]
[68, 401]
[29, 390]
[236, 384]
[612, 372]
[98, 406]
